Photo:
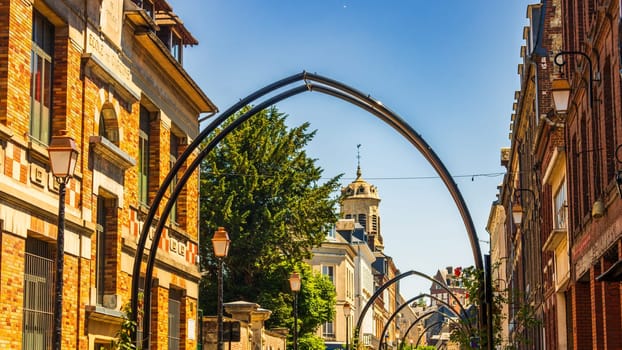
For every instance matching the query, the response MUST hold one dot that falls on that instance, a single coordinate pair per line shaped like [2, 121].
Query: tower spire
[358, 160]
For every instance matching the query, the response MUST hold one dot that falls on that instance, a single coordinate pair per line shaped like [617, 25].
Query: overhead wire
[472, 176]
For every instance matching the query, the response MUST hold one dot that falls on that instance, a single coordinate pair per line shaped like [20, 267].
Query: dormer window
[173, 33]
[172, 41]
[148, 6]
[176, 48]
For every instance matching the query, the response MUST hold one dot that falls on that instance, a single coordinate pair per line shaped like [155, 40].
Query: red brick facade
[101, 74]
[562, 249]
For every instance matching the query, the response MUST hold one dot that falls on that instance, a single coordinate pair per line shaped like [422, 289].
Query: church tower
[359, 201]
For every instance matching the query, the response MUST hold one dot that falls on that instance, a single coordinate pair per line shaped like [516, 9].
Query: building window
[328, 330]
[374, 223]
[174, 319]
[350, 284]
[143, 156]
[176, 48]
[560, 206]
[106, 263]
[329, 271]
[103, 345]
[362, 219]
[174, 151]
[41, 77]
[147, 5]
[172, 41]
[38, 295]
[108, 126]
[330, 234]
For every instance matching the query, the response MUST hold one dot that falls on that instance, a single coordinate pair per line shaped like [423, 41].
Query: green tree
[123, 340]
[524, 317]
[260, 185]
[316, 304]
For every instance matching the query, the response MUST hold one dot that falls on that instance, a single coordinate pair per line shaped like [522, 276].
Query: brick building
[109, 72]
[564, 249]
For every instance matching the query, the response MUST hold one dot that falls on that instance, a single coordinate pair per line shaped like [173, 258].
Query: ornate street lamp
[294, 285]
[517, 213]
[220, 242]
[63, 155]
[346, 311]
[560, 88]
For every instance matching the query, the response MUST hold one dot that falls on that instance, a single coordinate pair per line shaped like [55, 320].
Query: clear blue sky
[449, 68]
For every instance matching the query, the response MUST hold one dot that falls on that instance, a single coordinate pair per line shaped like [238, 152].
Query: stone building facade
[354, 257]
[110, 73]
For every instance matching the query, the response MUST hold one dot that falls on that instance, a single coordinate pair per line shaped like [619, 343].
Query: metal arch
[376, 294]
[386, 325]
[416, 140]
[406, 303]
[182, 181]
[142, 240]
[425, 330]
[466, 320]
[334, 88]
[430, 326]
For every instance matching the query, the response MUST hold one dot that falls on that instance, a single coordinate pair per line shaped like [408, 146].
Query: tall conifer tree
[260, 185]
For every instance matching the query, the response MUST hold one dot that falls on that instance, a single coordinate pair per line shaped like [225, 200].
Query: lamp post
[221, 242]
[561, 87]
[347, 308]
[63, 158]
[294, 285]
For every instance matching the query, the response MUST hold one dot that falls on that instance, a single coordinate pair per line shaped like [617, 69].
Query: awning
[613, 274]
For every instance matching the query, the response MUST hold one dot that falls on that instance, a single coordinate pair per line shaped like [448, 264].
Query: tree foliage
[523, 317]
[316, 302]
[123, 340]
[260, 185]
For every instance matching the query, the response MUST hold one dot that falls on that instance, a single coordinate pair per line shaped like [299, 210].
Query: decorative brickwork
[597, 311]
[612, 322]
[581, 325]
[11, 289]
[86, 80]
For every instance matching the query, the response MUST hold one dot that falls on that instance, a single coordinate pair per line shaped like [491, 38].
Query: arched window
[108, 124]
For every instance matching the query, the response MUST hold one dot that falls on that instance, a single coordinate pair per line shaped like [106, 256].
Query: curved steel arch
[424, 316]
[464, 318]
[428, 327]
[324, 85]
[425, 331]
[407, 302]
[379, 291]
